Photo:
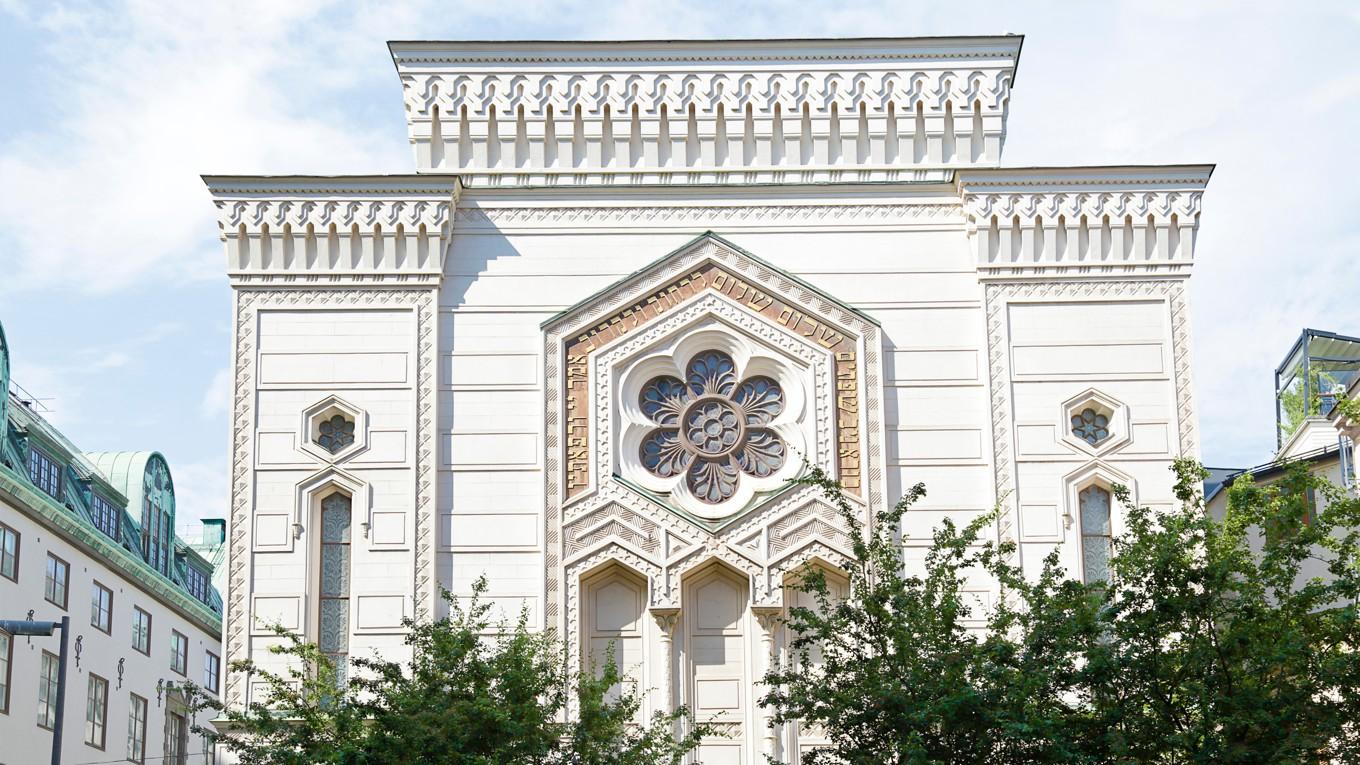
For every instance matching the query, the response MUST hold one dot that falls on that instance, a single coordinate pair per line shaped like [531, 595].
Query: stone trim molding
[727, 216]
[424, 303]
[1028, 222]
[334, 230]
[560, 107]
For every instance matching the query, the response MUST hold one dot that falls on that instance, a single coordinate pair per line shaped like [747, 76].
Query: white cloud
[217, 398]
[202, 490]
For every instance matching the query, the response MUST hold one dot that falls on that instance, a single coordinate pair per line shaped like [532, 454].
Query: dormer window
[197, 583]
[105, 516]
[45, 472]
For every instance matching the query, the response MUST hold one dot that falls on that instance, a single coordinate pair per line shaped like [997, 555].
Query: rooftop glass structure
[1314, 374]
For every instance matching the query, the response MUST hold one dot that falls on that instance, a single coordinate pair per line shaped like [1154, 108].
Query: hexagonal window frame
[326, 408]
[1115, 411]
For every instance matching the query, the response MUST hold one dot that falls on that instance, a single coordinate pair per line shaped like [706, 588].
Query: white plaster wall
[23, 741]
[366, 357]
[1058, 350]
[516, 260]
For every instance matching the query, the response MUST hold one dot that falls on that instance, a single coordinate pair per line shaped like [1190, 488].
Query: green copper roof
[125, 470]
[90, 483]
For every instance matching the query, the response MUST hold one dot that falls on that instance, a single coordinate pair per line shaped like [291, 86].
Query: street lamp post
[44, 629]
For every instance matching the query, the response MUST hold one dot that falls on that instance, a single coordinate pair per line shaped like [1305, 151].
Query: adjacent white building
[91, 536]
[630, 291]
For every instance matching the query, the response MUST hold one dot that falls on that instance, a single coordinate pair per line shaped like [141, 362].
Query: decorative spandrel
[712, 428]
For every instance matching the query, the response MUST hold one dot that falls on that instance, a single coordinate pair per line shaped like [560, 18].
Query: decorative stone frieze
[353, 230]
[513, 113]
[1097, 221]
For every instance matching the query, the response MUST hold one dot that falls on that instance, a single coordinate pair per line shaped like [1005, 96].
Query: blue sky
[111, 275]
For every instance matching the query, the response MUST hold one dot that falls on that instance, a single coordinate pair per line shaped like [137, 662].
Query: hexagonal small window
[1092, 425]
[333, 429]
[335, 433]
[1094, 422]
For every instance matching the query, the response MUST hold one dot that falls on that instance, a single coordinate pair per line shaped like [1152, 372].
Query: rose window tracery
[711, 427]
[1091, 426]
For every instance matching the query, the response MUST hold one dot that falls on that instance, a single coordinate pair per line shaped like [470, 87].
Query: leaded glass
[713, 427]
[1094, 504]
[333, 614]
[335, 433]
[333, 636]
[334, 571]
[1091, 426]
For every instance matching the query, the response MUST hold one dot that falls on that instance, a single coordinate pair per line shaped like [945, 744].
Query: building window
[1091, 426]
[44, 471]
[335, 433]
[141, 630]
[47, 690]
[212, 670]
[101, 608]
[6, 655]
[712, 427]
[157, 519]
[9, 553]
[197, 583]
[333, 619]
[96, 711]
[179, 652]
[58, 576]
[136, 744]
[176, 739]
[1095, 534]
[106, 516]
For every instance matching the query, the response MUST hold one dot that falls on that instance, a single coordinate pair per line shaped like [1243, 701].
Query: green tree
[1220, 647]
[899, 671]
[1212, 643]
[471, 693]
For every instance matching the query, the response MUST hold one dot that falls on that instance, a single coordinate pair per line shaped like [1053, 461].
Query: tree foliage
[471, 693]
[1216, 641]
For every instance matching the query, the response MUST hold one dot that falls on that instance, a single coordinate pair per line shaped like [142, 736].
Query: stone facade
[634, 288]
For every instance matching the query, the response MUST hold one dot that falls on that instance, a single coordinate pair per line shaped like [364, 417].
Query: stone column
[769, 620]
[666, 619]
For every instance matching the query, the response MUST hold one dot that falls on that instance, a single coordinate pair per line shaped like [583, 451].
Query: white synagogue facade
[630, 292]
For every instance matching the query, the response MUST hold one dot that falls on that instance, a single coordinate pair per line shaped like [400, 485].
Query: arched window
[333, 593]
[1094, 502]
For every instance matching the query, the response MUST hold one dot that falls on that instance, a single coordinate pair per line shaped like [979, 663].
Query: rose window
[711, 428]
[1091, 426]
[335, 433]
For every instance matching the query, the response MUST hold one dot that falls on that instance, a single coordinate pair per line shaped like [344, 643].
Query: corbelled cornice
[367, 229]
[1111, 219]
[513, 111]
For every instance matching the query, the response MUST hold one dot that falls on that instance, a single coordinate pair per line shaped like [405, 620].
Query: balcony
[1315, 373]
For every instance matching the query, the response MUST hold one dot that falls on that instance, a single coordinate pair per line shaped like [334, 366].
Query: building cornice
[689, 109]
[335, 229]
[1083, 221]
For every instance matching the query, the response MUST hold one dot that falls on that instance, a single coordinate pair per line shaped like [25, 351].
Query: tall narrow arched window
[333, 593]
[1094, 502]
